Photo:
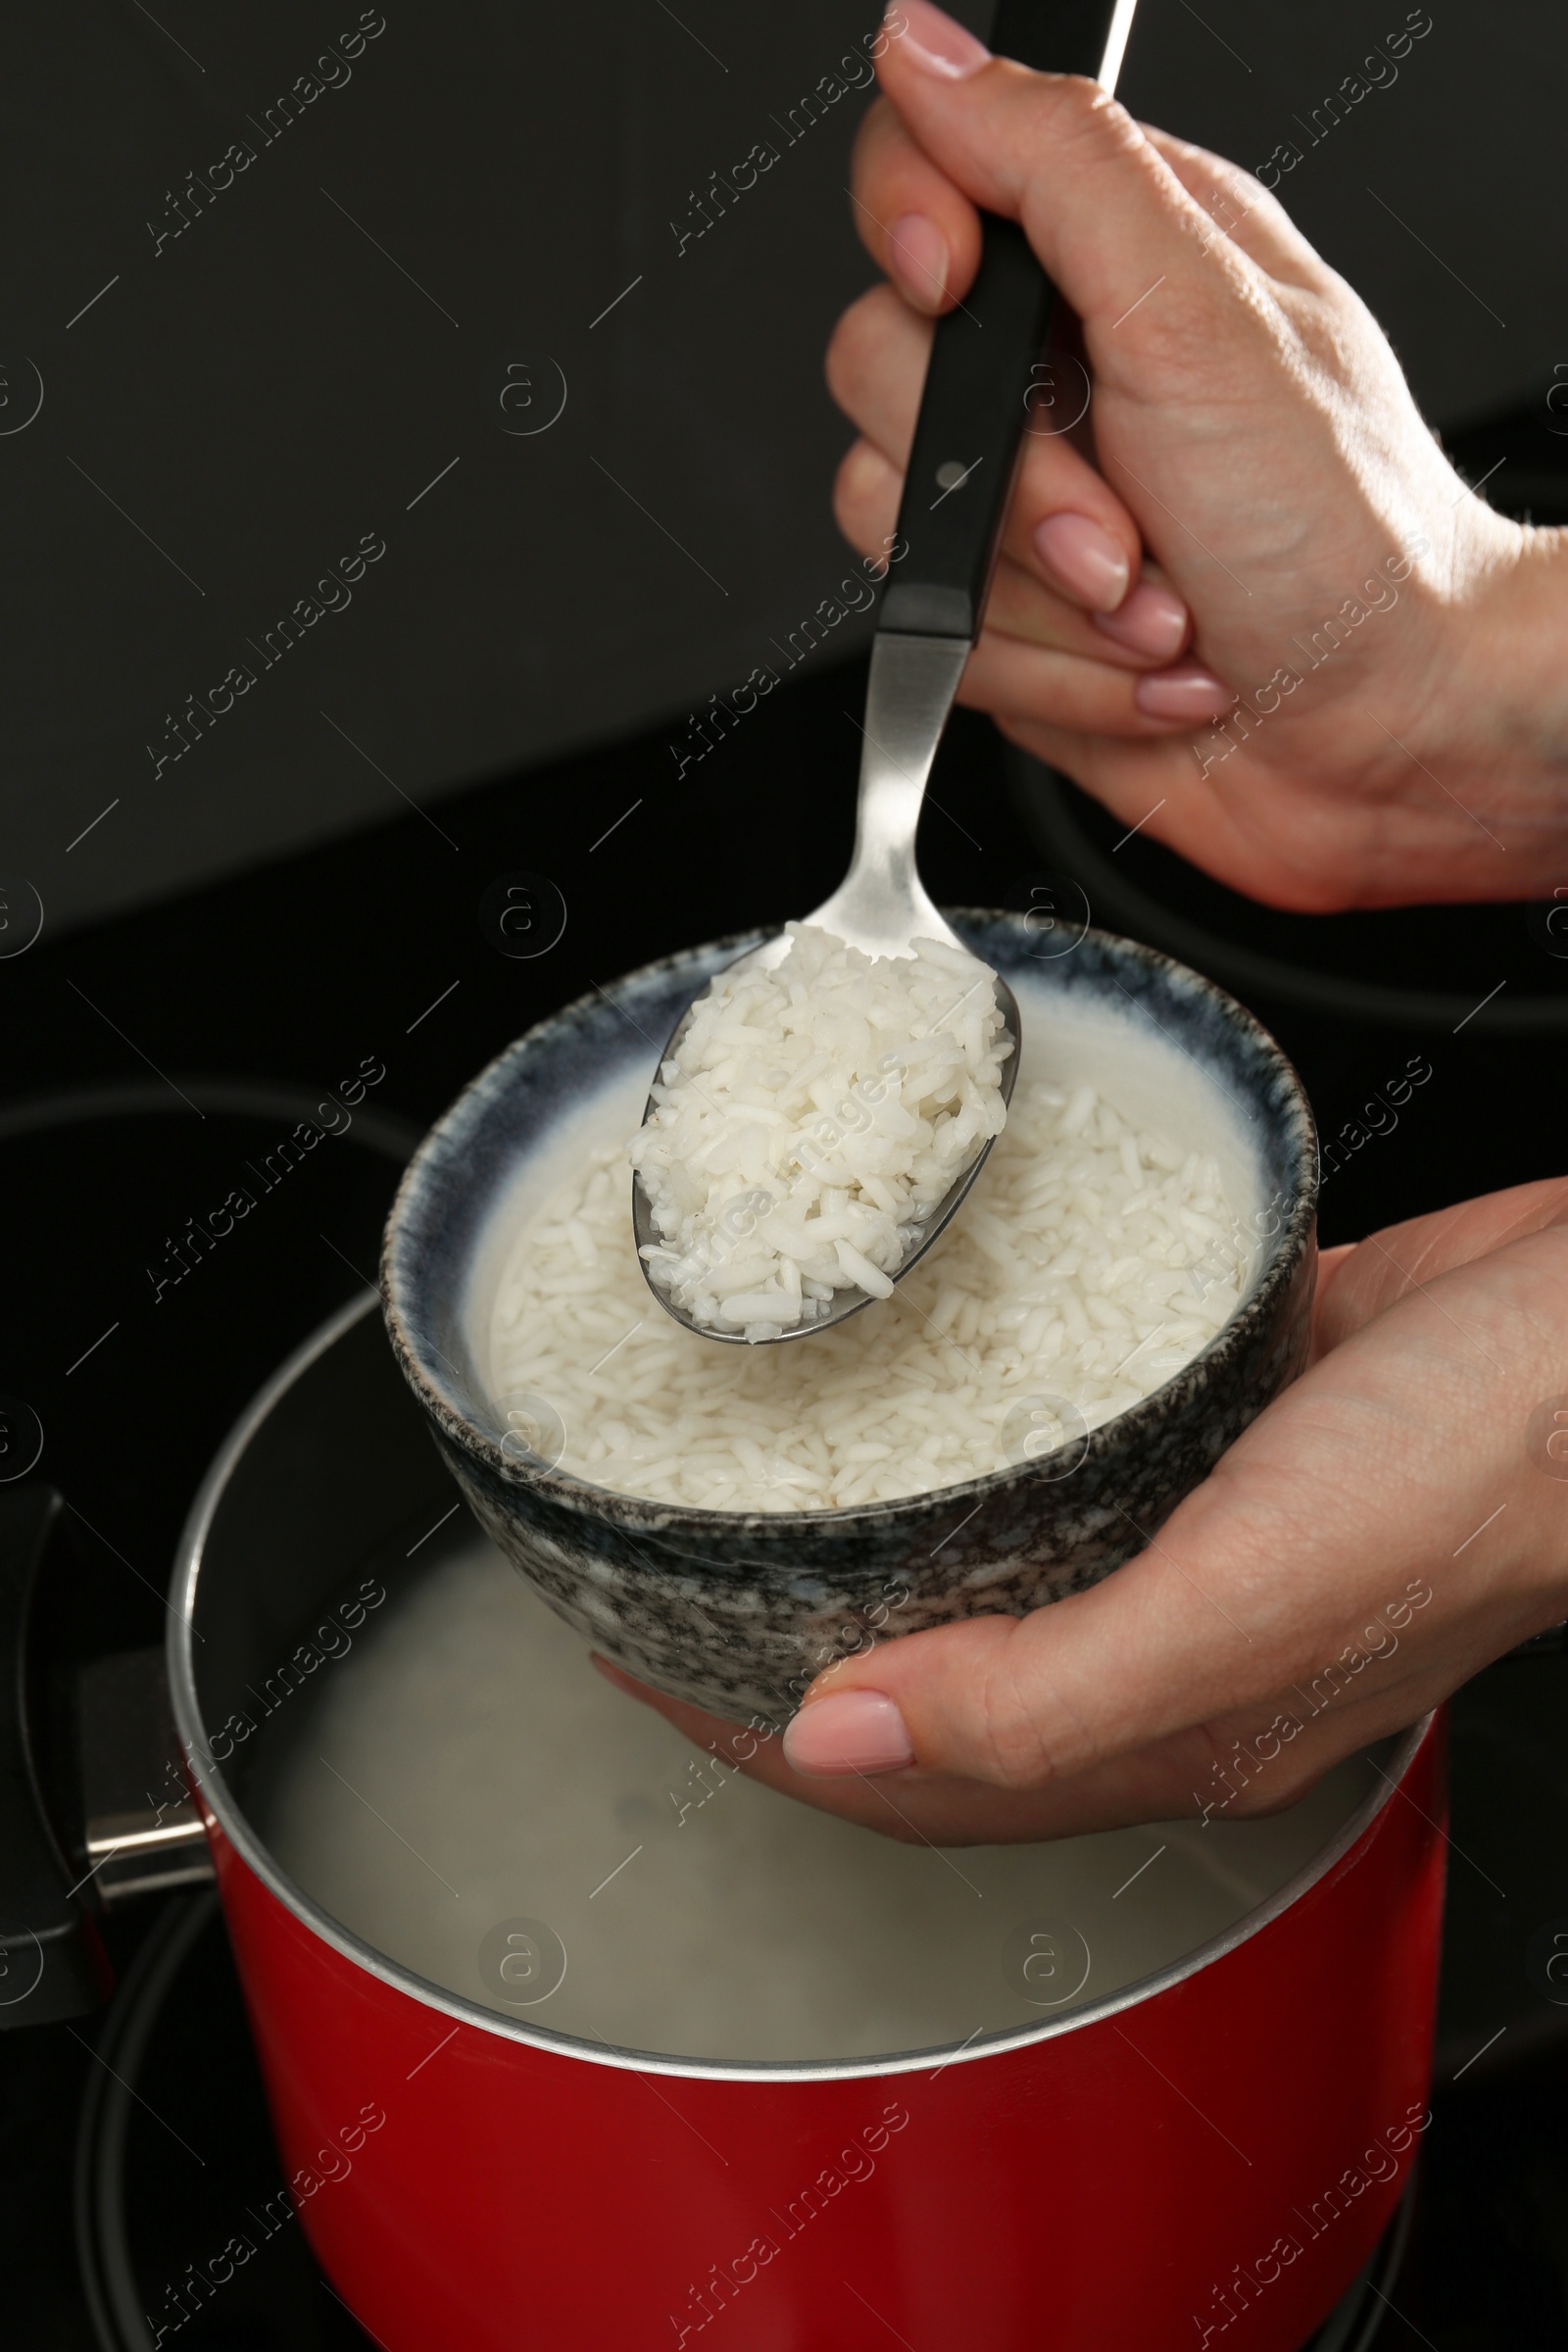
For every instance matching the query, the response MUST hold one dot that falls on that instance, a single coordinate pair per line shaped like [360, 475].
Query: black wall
[294, 369]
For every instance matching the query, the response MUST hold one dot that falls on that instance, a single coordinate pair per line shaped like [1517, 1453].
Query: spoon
[981, 384]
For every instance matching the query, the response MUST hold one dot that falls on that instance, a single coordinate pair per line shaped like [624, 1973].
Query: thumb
[1103, 208]
[1021, 1702]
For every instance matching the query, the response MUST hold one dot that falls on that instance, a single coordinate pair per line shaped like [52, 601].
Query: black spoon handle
[974, 405]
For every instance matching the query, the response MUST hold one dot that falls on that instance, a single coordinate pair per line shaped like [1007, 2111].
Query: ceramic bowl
[738, 1610]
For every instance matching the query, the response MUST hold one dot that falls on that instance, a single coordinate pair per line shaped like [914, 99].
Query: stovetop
[153, 1066]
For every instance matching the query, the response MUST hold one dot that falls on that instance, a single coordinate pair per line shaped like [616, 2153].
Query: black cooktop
[153, 1064]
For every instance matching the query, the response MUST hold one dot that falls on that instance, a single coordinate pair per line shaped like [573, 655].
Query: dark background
[273, 382]
[270, 912]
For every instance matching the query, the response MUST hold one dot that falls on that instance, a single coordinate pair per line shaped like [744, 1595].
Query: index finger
[911, 220]
[1105, 211]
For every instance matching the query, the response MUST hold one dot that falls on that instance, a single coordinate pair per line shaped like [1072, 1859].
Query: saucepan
[573, 2036]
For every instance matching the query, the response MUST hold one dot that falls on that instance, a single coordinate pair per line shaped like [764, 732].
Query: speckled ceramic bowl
[739, 1610]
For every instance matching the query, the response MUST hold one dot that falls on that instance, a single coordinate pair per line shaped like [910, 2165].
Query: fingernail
[1187, 692]
[918, 256]
[1151, 620]
[854, 1731]
[1083, 559]
[933, 40]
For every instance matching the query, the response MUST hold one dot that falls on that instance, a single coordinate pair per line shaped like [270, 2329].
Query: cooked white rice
[815, 1115]
[1090, 1262]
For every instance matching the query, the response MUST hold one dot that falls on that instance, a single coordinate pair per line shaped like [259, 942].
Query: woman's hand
[1387, 1527]
[1385, 648]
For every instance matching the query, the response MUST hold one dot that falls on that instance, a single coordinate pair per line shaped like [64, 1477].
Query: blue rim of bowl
[1283, 1252]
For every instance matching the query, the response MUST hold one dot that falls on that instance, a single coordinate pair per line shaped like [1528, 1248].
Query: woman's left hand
[1388, 1526]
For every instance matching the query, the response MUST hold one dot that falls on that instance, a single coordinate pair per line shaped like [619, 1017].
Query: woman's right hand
[1385, 648]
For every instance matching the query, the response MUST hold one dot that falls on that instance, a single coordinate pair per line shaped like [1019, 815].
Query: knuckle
[1052, 473]
[1015, 1746]
[880, 134]
[856, 342]
[1276, 1792]
[1267, 1780]
[865, 497]
[1207, 326]
[1230, 179]
[1083, 109]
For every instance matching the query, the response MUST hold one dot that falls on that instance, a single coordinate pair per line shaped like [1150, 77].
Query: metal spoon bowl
[847, 1301]
[881, 906]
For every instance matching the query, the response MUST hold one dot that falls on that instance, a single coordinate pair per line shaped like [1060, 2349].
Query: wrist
[1502, 711]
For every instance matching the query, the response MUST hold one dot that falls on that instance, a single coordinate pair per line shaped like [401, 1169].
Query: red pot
[1208, 2156]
